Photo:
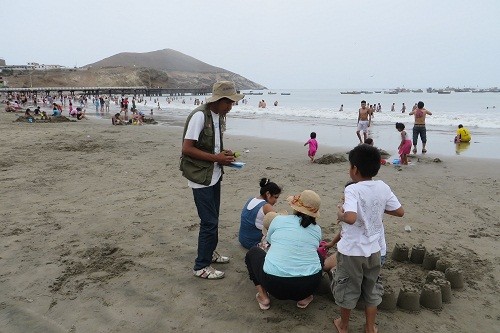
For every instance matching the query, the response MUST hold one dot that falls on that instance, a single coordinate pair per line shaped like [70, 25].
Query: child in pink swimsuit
[405, 145]
[313, 146]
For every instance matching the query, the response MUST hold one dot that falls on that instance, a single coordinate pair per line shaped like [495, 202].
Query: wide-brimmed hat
[307, 202]
[224, 89]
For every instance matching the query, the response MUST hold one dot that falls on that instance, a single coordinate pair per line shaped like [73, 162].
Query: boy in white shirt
[358, 257]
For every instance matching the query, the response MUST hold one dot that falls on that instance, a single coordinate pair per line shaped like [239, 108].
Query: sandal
[424, 151]
[307, 301]
[262, 306]
[209, 273]
[414, 150]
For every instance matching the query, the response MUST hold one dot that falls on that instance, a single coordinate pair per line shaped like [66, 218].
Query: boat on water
[271, 93]
[446, 92]
[350, 92]
[378, 91]
[417, 90]
[391, 92]
[285, 94]
[494, 90]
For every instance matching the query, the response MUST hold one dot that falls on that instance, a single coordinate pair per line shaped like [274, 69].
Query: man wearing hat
[202, 159]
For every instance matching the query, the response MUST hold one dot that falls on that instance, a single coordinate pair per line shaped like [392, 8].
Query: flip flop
[424, 151]
[262, 306]
[304, 305]
[414, 150]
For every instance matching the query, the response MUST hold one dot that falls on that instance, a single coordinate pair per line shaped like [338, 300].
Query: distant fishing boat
[350, 92]
[271, 93]
[444, 92]
[286, 94]
[392, 92]
[417, 91]
[378, 91]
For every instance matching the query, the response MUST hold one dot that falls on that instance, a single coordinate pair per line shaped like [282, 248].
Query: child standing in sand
[358, 257]
[405, 145]
[313, 146]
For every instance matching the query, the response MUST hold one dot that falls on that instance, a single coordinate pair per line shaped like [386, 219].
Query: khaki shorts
[356, 276]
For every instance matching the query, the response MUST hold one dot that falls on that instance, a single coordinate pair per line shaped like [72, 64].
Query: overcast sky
[277, 43]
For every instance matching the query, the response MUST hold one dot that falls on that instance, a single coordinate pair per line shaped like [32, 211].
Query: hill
[167, 60]
[164, 68]
[183, 71]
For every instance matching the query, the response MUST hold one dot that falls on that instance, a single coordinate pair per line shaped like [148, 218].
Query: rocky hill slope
[164, 68]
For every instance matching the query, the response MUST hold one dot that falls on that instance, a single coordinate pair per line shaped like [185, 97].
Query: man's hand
[225, 157]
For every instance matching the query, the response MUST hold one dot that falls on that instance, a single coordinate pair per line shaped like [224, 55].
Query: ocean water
[304, 111]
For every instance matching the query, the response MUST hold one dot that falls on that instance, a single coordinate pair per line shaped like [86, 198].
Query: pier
[92, 91]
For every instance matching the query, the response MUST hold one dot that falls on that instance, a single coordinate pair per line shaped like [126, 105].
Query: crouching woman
[292, 268]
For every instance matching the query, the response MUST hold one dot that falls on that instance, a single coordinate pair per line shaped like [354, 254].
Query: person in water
[463, 134]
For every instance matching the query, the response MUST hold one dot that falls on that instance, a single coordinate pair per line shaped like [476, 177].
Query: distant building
[17, 67]
[42, 67]
[29, 67]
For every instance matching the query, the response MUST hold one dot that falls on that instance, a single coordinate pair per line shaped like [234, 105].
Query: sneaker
[219, 259]
[209, 273]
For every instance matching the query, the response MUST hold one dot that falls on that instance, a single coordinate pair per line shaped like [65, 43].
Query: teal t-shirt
[293, 250]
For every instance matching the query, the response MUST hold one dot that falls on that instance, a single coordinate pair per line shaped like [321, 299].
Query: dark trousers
[419, 130]
[284, 288]
[207, 200]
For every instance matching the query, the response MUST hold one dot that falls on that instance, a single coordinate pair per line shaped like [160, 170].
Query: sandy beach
[99, 232]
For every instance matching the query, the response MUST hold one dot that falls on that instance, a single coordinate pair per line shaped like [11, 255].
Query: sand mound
[331, 158]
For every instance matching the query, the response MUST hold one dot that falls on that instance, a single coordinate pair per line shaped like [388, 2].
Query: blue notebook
[237, 165]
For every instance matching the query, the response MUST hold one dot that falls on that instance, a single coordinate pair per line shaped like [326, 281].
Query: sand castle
[433, 291]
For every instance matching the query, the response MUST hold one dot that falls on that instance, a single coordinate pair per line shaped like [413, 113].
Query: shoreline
[342, 135]
[332, 134]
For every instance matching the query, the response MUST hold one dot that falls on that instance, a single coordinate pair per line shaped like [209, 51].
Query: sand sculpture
[436, 288]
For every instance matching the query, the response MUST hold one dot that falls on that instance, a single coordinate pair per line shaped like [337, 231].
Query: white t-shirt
[195, 126]
[368, 199]
[259, 220]
[382, 243]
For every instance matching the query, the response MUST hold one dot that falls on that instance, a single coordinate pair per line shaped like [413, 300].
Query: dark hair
[305, 220]
[363, 101]
[349, 183]
[369, 141]
[366, 158]
[117, 114]
[420, 104]
[268, 186]
[400, 126]
[313, 135]
[460, 126]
